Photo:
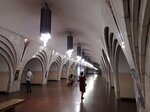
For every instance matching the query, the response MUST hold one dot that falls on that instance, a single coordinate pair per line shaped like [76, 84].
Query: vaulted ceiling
[86, 20]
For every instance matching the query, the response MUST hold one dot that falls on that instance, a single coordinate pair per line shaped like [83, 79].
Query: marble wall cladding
[126, 85]
[53, 75]
[147, 93]
[4, 81]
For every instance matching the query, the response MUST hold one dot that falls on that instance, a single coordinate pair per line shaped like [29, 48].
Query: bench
[9, 106]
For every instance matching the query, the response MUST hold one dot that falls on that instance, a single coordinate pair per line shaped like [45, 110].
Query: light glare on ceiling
[25, 40]
[122, 45]
[69, 52]
[78, 58]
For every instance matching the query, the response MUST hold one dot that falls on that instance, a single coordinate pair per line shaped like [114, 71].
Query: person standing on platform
[71, 80]
[29, 77]
[82, 84]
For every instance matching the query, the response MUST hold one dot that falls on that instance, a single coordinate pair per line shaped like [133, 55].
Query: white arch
[38, 71]
[53, 71]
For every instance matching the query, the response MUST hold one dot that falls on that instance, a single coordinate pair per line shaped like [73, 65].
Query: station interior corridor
[58, 97]
[56, 38]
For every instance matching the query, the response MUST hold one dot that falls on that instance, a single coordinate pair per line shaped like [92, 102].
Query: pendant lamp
[69, 44]
[45, 23]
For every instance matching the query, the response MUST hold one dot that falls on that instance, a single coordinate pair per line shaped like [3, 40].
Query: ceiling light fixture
[78, 52]
[56, 53]
[122, 44]
[83, 54]
[45, 25]
[69, 45]
[26, 44]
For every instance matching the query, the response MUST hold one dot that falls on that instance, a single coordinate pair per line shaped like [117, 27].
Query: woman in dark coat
[82, 84]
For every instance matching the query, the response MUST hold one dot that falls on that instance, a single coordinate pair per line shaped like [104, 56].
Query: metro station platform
[56, 96]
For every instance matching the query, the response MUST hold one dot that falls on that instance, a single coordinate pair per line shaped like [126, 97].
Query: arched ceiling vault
[86, 20]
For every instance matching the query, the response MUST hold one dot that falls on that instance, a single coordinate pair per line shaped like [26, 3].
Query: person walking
[29, 77]
[82, 84]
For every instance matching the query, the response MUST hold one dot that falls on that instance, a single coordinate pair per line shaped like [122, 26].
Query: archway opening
[64, 72]
[4, 75]
[126, 83]
[53, 72]
[106, 35]
[108, 75]
[36, 68]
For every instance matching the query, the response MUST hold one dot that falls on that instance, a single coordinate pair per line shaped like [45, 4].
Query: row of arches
[7, 63]
[37, 69]
[138, 38]
[116, 67]
[13, 67]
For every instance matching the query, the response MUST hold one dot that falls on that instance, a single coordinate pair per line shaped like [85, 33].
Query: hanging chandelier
[45, 23]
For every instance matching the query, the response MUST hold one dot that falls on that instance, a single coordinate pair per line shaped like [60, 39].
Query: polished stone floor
[57, 97]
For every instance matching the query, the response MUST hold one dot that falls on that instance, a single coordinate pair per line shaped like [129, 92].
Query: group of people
[82, 83]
